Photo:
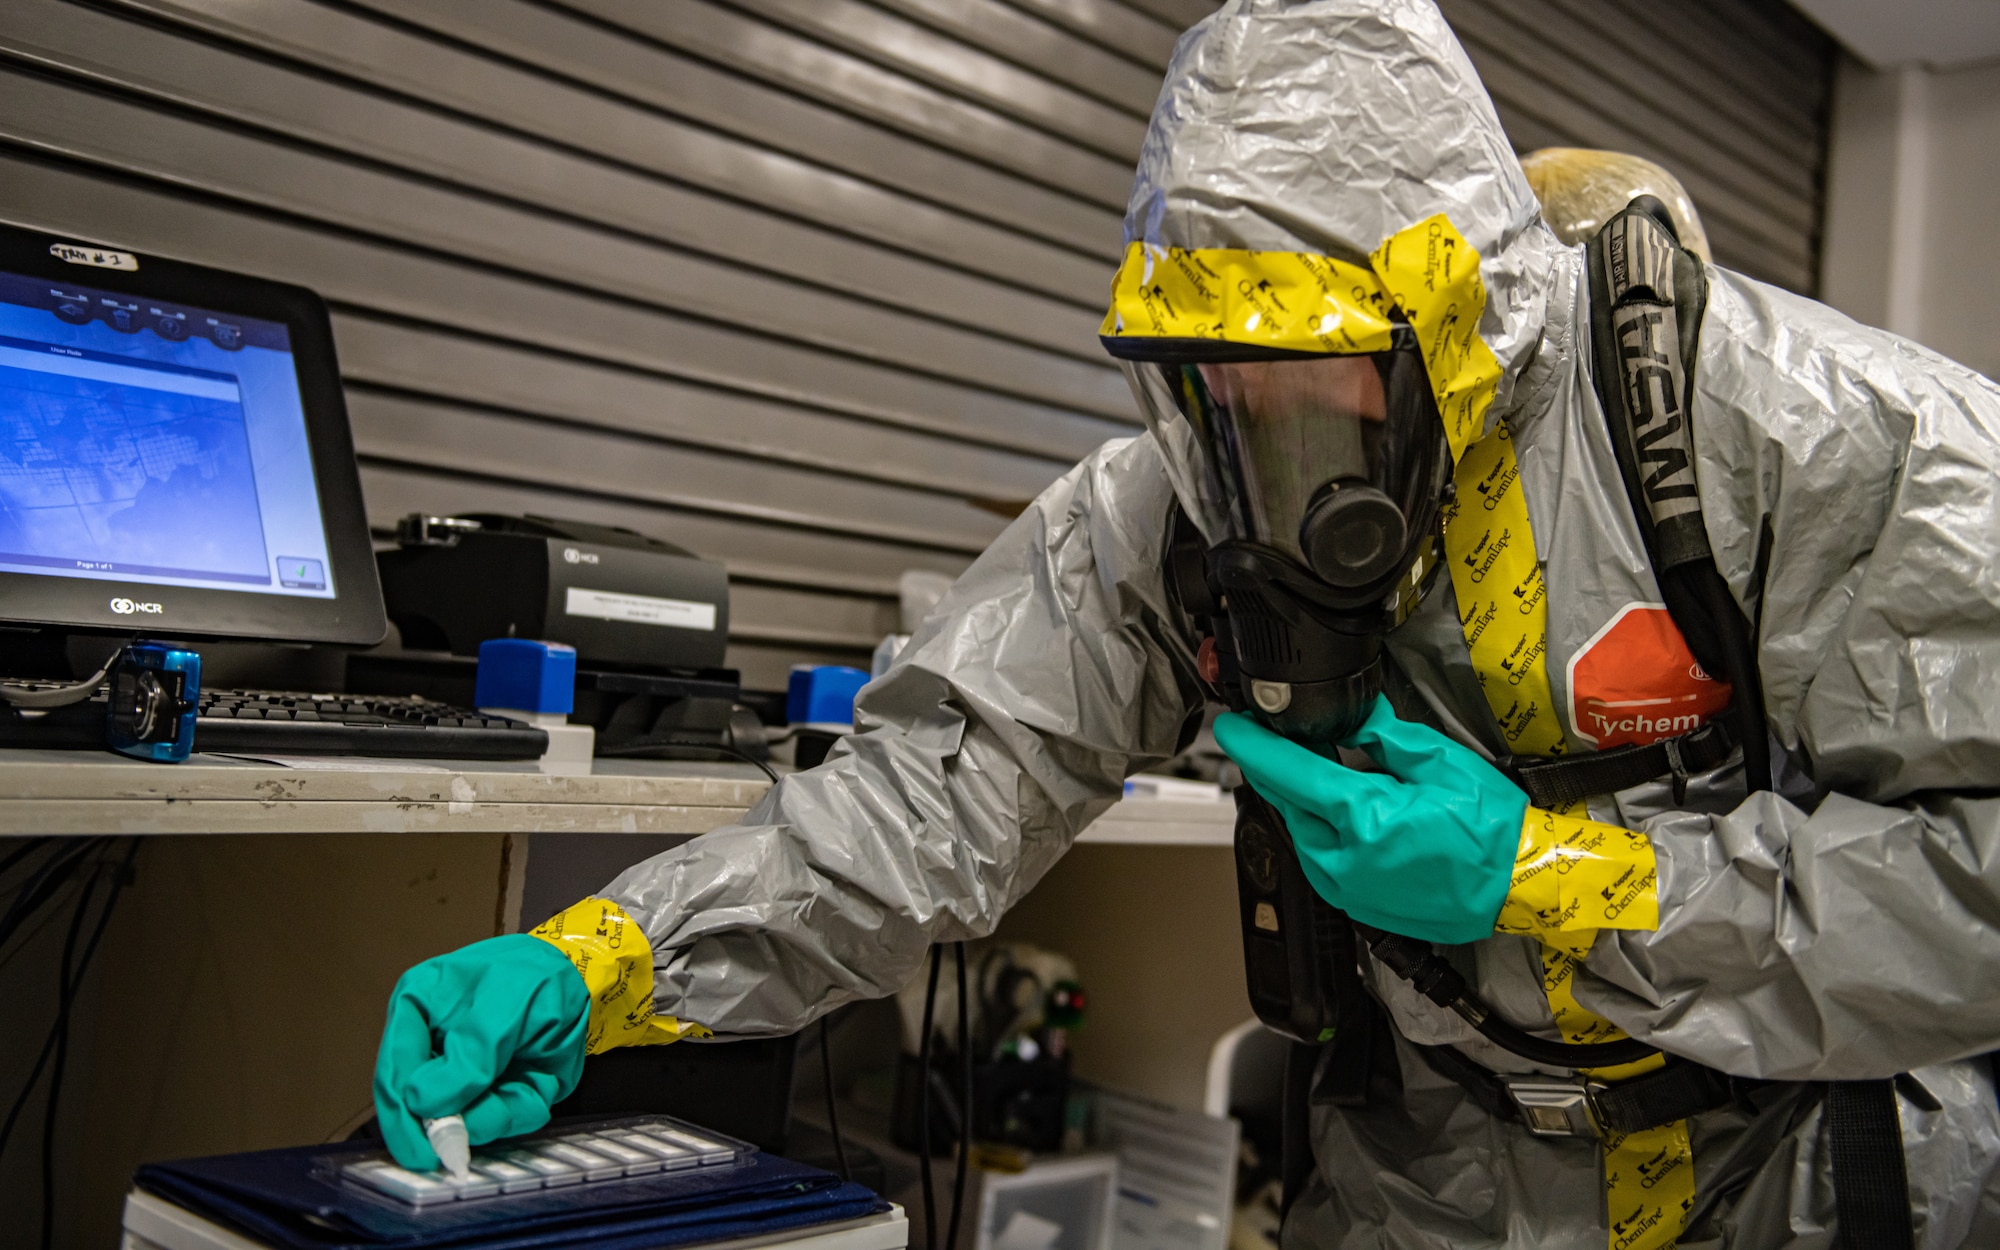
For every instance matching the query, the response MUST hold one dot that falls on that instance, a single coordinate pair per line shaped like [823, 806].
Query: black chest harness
[1647, 297]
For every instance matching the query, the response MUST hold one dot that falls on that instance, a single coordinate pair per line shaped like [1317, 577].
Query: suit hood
[1328, 126]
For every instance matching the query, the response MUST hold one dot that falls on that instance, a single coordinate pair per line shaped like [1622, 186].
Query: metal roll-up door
[808, 286]
[1731, 95]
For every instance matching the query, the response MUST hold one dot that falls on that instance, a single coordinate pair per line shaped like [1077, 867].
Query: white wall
[1913, 206]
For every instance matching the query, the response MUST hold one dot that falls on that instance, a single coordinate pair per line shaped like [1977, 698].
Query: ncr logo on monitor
[131, 607]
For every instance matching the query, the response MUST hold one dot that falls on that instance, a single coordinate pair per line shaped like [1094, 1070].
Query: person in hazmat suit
[1367, 367]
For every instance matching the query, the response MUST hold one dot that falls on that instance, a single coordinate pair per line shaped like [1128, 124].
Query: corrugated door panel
[809, 286]
[1776, 33]
[100, 129]
[869, 90]
[1730, 77]
[422, 288]
[1728, 94]
[834, 147]
[807, 203]
[1040, 44]
[1177, 13]
[1118, 28]
[1088, 96]
[597, 195]
[393, 355]
[410, 430]
[1758, 201]
[1760, 172]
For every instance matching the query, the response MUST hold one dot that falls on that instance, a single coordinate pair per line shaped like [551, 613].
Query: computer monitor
[175, 459]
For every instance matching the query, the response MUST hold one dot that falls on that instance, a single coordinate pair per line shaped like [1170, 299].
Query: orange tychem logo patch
[1636, 682]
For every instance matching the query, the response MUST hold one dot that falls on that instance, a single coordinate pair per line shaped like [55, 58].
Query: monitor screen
[153, 443]
[175, 459]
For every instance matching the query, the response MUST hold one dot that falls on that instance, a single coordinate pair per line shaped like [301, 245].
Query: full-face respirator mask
[1323, 476]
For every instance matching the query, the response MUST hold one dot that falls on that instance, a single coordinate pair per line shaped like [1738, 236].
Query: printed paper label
[614, 605]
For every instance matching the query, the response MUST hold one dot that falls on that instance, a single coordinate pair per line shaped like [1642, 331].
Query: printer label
[614, 605]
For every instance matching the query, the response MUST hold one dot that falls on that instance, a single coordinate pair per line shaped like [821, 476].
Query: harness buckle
[1553, 1107]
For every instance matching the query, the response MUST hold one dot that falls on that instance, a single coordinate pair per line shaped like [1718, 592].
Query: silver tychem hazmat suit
[1845, 927]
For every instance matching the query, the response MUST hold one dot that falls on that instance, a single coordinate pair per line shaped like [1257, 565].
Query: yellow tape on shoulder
[1432, 274]
[612, 955]
[1502, 600]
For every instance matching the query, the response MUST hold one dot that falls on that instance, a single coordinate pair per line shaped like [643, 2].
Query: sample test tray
[153, 1223]
[575, 1185]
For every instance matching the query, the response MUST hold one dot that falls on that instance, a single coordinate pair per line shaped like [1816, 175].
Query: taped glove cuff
[610, 951]
[1577, 875]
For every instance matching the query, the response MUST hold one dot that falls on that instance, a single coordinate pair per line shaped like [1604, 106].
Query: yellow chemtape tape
[1648, 1175]
[1573, 875]
[1433, 275]
[1502, 599]
[1648, 1186]
[1296, 301]
[612, 955]
[1427, 275]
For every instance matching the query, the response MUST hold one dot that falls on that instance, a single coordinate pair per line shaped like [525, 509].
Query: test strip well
[596, 1155]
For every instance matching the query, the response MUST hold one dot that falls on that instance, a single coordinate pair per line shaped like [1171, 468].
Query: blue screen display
[153, 443]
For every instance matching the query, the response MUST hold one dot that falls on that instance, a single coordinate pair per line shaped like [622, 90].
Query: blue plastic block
[823, 694]
[528, 676]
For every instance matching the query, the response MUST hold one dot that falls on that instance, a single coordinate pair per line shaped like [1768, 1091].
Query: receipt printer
[623, 600]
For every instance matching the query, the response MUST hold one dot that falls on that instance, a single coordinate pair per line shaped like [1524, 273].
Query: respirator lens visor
[1337, 462]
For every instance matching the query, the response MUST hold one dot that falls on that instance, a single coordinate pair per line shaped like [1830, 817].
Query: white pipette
[454, 1149]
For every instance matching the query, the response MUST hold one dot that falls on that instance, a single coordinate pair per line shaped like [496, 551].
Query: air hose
[1435, 978]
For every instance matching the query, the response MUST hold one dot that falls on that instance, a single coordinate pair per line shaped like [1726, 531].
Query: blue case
[150, 681]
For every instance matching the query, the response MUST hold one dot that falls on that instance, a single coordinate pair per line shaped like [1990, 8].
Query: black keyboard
[282, 723]
[276, 722]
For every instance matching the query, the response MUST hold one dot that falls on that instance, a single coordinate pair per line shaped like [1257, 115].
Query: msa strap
[1652, 357]
[1647, 297]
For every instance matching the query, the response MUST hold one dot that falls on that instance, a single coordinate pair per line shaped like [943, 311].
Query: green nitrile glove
[493, 1032]
[1427, 851]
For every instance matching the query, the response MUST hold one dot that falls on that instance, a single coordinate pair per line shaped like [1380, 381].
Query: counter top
[74, 792]
[81, 792]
